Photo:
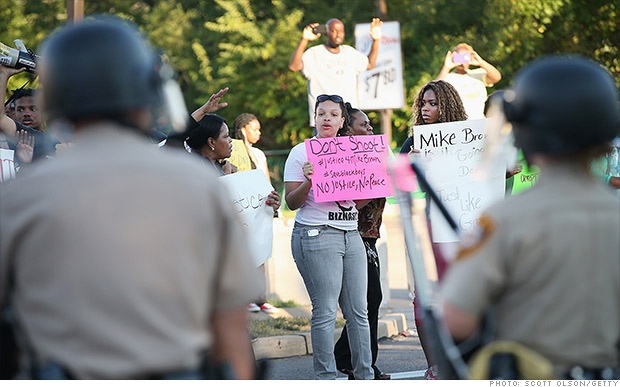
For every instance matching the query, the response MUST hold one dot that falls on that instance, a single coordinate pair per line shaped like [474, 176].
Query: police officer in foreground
[121, 260]
[548, 260]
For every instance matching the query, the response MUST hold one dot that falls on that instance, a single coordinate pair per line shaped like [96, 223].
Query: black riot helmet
[559, 105]
[102, 68]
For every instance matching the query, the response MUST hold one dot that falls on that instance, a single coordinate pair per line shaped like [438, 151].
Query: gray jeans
[333, 266]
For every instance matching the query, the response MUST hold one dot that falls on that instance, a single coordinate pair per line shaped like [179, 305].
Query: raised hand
[213, 104]
[25, 147]
[308, 34]
[10, 71]
[375, 29]
[448, 61]
[475, 60]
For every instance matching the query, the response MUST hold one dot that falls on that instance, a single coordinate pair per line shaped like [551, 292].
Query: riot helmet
[562, 104]
[102, 68]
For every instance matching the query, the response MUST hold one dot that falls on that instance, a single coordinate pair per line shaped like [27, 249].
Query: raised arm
[375, 34]
[212, 105]
[7, 125]
[448, 65]
[493, 74]
[307, 36]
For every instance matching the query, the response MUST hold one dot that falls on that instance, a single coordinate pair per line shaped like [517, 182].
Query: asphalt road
[400, 356]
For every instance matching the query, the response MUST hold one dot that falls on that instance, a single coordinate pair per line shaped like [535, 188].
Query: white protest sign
[449, 154]
[7, 164]
[382, 86]
[249, 191]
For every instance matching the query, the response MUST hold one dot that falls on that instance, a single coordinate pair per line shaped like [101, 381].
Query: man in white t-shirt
[332, 68]
[471, 84]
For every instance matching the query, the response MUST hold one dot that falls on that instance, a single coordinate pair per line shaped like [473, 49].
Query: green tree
[252, 59]
[247, 44]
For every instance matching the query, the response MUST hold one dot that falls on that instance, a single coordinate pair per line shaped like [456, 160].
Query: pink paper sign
[347, 168]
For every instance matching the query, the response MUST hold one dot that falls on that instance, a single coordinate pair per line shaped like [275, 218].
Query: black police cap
[101, 67]
[561, 104]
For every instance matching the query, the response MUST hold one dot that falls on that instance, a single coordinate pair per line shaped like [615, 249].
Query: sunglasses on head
[325, 97]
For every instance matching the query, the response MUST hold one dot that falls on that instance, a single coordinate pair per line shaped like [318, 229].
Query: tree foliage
[246, 44]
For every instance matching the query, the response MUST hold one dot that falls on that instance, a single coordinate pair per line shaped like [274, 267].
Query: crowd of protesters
[131, 255]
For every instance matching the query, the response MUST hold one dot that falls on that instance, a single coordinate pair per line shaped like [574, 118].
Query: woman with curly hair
[437, 101]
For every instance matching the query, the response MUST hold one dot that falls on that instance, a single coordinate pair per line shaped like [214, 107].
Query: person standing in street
[121, 260]
[329, 253]
[332, 68]
[247, 129]
[436, 102]
[369, 222]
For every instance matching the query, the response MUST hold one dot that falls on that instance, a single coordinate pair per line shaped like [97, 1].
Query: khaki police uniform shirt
[549, 261]
[122, 253]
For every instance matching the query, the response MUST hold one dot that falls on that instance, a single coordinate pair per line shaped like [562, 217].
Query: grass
[283, 304]
[281, 326]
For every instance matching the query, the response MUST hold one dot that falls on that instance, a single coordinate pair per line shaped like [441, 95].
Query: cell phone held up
[461, 58]
[320, 29]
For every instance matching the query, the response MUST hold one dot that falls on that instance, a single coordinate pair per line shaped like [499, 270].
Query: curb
[276, 347]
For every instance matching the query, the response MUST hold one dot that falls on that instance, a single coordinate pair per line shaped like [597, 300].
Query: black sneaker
[380, 375]
[347, 372]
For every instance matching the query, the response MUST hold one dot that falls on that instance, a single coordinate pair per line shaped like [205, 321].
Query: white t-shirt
[341, 214]
[472, 88]
[330, 73]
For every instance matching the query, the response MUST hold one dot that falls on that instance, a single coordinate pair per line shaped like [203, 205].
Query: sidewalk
[393, 320]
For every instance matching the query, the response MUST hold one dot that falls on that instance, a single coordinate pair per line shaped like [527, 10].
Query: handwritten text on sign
[347, 168]
[249, 191]
[449, 153]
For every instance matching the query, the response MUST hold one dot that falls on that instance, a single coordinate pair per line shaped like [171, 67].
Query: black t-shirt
[406, 148]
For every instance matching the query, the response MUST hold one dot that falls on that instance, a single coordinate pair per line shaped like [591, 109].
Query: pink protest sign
[347, 168]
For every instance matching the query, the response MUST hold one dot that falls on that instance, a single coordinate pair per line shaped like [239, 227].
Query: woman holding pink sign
[329, 253]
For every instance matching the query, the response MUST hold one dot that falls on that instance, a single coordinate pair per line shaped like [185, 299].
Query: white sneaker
[252, 307]
[268, 308]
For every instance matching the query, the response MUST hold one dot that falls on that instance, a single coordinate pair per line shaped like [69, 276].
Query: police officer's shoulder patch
[476, 237]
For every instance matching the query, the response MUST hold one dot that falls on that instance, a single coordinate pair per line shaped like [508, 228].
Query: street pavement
[290, 357]
[400, 354]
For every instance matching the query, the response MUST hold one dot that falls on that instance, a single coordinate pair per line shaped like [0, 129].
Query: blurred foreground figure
[547, 261]
[115, 263]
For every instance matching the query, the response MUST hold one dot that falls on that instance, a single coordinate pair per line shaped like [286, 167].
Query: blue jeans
[333, 266]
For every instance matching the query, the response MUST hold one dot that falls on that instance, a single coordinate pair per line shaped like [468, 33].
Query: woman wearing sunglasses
[329, 253]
